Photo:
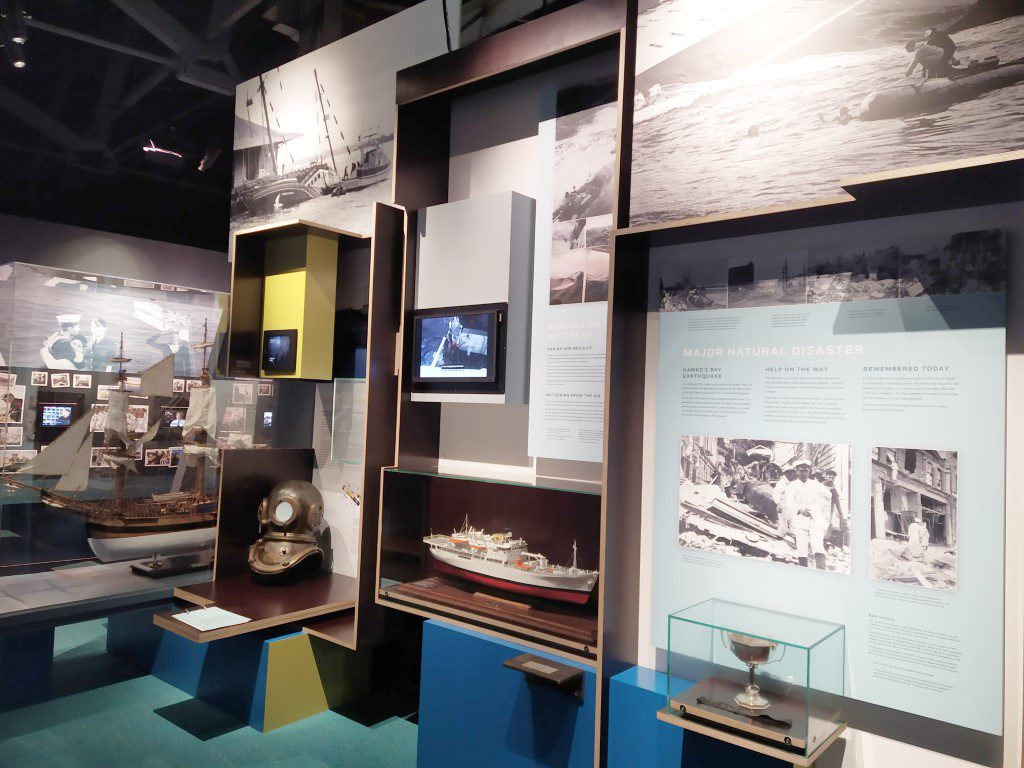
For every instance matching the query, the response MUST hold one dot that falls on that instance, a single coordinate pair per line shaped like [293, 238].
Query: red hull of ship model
[562, 595]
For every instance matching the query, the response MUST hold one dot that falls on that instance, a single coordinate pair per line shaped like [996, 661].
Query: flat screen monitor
[280, 350]
[56, 414]
[459, 349]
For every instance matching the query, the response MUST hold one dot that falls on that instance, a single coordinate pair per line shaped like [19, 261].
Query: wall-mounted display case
[513, 555]
[770, 681]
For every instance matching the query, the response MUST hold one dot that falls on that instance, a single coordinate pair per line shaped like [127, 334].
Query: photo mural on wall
[752, 103]
[74, 323]
[314, 138]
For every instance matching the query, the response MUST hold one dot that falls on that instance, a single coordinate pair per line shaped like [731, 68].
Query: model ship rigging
[122, 527]
[500, 560]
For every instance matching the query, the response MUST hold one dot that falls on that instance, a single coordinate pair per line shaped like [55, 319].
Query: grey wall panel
[106, 253]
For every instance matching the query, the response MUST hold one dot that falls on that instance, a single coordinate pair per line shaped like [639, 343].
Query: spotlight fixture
[15, 54]
[13, 27]
[19, 33]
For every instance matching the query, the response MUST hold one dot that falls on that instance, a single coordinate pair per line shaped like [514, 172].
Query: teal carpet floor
[116, 726]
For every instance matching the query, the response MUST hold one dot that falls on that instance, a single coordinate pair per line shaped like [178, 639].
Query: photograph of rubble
[913, 516]
[787, 502]
[864, 274]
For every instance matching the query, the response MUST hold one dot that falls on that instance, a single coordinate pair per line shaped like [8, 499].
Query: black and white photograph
[314, 138]
[103, 391]
[74, 322]
[12, 404]
[242, 393]
[595, 287]
[742, 106]
[691, 284]
[60, 380]
[853, 274]
[39, 378]
[914, 516]
[10, 436]
[178, 386]
[599, 233]
[767, 280]
[158, 457]
[265, 389]
[81, 381]
[233, 420]
[12, 460]
[568, 235]
[191, 384]
[783, 502]
[7, 379]
[966, 262]
[568, 276]
[584, 163]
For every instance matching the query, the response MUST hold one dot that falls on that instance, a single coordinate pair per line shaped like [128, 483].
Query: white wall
[865, 750]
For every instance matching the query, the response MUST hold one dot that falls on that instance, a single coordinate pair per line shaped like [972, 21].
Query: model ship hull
[111, 546]
[564, 587]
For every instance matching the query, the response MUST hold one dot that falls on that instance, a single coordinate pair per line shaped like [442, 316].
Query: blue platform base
[637, 739]
[475, 712]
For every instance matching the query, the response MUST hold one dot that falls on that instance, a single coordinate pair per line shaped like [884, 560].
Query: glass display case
[518, 555]
[111, 429]
[771, 681]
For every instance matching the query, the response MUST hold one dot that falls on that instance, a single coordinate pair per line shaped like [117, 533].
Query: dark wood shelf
[267, 606]
[988, 180]
[441, 596]
[339, 629]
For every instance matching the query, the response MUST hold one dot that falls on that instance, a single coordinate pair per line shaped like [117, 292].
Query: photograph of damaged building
[913, 516]
[785, 502]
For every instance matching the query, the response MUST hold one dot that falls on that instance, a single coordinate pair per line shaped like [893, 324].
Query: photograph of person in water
[740, 106]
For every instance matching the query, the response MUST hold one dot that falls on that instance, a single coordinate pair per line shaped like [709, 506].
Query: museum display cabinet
[768, 681]
[112, 426]
[513, 553]
[344, 289]
[517, 556]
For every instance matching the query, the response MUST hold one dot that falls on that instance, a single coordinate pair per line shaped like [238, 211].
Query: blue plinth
[637, 739]
[475, 712]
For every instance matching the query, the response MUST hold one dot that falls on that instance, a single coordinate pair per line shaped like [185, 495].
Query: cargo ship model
[124, 527]
[501, 560]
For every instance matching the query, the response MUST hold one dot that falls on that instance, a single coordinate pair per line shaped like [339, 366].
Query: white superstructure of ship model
[501, 560]
[123, 527]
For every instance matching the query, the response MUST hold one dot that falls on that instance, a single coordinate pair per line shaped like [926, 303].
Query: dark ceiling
[105, 77]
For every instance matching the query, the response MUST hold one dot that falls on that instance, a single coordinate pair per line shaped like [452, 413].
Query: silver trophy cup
[754, 652]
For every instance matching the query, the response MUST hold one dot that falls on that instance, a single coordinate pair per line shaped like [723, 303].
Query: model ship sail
[158, 380]
[58, 456]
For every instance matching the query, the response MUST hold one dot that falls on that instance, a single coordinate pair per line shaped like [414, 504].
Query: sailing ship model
[501, 560]
[123, 527]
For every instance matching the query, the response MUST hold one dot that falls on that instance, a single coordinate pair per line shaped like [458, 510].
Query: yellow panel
[299, 292]
[294, 690]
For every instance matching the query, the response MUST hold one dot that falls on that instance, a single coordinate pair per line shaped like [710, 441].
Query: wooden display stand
[247, 476]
